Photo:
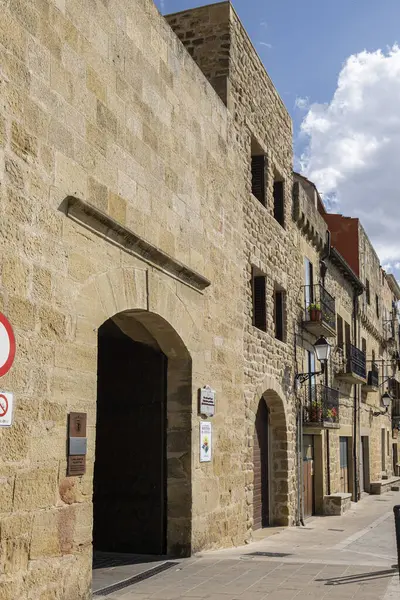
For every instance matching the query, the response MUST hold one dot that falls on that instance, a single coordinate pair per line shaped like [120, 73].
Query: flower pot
[315, 314]
[315, 415]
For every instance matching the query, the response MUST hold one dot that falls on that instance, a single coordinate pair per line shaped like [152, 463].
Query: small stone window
[259, 300]
[279, 314]
[258, 172]
[367, 292]
[279, 200]
[378, 312]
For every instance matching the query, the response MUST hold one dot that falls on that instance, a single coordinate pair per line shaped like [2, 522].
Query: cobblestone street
[348, 557]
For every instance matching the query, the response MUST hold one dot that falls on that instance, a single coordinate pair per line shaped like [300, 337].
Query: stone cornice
[99, 222]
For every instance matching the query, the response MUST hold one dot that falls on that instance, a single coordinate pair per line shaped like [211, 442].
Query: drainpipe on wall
[300, 487]
[327, 438]
[328, 454]
[356, 407]
[300, 474]
[301, 465]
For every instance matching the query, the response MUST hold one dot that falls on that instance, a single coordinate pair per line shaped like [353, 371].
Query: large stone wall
[258, 115]
[100, 101]
[126, 193]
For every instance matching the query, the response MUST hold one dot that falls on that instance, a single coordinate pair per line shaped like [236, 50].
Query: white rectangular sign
[6, 409]
[207, 401]
[205, 441]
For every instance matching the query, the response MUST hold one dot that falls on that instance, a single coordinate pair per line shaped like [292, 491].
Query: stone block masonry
[126, 199]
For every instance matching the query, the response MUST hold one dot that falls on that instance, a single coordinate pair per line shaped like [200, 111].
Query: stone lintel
[96, 220]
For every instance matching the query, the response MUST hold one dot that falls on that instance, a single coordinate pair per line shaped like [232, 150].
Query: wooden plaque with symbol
[77, 424]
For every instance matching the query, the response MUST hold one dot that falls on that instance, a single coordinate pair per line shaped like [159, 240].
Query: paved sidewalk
[349, 557]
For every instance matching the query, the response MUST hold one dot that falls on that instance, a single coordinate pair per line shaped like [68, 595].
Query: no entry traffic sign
[7, 345]
[6, 409]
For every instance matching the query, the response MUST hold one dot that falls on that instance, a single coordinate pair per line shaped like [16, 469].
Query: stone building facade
[262, 127]
[149, 248]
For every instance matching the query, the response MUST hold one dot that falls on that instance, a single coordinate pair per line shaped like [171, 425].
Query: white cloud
[265, 44]
[353, 150]
[302, 103]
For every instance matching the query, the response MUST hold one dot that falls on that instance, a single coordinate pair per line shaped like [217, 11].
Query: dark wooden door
[383, 451]
[365, 463]
[308, 475]
[395, 459]
[260, 459]
[129, 475]
[344, 467]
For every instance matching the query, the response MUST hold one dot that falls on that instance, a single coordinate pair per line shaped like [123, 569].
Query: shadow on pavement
[359, 577]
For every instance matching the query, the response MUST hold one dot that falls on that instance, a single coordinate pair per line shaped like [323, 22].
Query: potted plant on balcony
[316, 412]
[332, 415]
[315, 312]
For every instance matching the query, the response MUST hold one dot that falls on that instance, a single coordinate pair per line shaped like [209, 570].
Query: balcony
[321, 406]
[319, 311]
[372, 384]
[353, 369]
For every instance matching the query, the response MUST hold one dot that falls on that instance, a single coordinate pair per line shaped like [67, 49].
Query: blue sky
[310, 39]
[341, 56]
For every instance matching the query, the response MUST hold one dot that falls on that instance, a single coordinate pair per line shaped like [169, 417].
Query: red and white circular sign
[7, 345]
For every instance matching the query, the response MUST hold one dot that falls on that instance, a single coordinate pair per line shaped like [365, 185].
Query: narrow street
[348, 557]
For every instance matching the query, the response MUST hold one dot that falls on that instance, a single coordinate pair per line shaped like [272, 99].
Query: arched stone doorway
[142, 473]
[261, 483]
[276, 453]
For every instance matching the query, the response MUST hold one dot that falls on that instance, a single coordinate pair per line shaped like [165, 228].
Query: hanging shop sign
[7, 345]
[205, 441]
[207, 401]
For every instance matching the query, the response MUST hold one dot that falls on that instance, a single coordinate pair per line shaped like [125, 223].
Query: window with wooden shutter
[259, 302]
[258, 177]
[279, 315]
[340, 332]
[364, 345]
[367, 292]
[378, 312]
[347, 331]
[279, 205]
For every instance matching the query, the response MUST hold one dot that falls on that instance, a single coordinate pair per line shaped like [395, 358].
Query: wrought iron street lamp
[386, 399]
[322, 349]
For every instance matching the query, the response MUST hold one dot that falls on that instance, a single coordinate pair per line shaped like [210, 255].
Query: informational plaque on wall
[207, 401]
[205, 441]
[77, 444]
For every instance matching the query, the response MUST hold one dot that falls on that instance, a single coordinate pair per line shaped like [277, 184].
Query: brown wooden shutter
[364, 345]
[259, 302]
[348, 337]
[258, 178]
[340, 331]
[279, 315]
[279, 212]
[367, 291]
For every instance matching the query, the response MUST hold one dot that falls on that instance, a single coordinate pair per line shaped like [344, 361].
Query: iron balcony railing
[321, 405]
[373, 376]
[355, 361]
[319, 305]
